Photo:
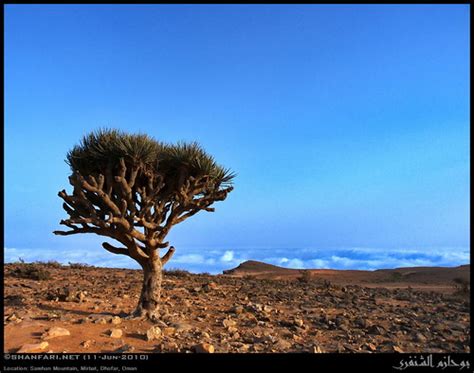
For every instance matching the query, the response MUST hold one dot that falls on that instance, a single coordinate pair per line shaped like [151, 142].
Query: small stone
[317, 350]
[81, 296]
[55, 332]
[267, 308]
[371, 347]
[374, 329]
[153, 333]
[397, 349]
[33, 347]
[237, 310]
[86, 344]
[298, 322]
[12, 317]
[298, 339]
[169, 331]
[205, 335]
[125, 348]
[204, 348]
[116, 320]
[360, 322]
[229, 323]
[232, 329]
[115, 333]
[281, 344]
[126, 296]
[210, 286]
[420, 338]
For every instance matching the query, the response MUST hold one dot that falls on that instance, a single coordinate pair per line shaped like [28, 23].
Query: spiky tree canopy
[133, 188]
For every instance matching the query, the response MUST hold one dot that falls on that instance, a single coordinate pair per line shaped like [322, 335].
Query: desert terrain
[253, 308]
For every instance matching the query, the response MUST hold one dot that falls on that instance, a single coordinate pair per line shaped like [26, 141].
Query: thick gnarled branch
[136, 205]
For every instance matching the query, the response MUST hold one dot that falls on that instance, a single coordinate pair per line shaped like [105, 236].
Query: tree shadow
[139, 336]
[76, 312]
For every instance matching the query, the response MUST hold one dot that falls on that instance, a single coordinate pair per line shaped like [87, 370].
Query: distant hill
[253, 266]
[409, 275]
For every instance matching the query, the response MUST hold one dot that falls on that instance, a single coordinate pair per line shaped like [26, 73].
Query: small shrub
[50, 264]
[176, 272]
[462, 286]
[79, 265]
[14, 300]
[32, 272]
[305, 277]
[396, 276]
[327, 284]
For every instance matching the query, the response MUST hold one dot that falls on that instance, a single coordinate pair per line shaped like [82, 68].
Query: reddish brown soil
[270, 310]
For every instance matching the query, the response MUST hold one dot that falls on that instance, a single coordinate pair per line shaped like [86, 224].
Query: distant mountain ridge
[423, 275]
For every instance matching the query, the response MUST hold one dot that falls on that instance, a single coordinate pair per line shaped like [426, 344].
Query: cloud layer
[216, 260]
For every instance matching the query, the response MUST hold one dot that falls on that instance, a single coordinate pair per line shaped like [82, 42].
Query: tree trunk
[148, 305]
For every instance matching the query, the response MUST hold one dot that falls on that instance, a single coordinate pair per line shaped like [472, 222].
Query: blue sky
[348, 125]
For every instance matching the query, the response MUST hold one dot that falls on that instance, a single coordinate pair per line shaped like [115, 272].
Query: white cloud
[228, 256]
[189, 259]
[295, 263]
[214, 261]
[319, 263]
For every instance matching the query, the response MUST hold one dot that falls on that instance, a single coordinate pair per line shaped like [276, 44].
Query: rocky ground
[83, 309]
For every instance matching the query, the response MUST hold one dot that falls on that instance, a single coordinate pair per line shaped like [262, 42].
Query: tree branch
[168, 255]
[115, 250]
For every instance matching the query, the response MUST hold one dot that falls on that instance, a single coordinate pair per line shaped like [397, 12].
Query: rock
[420, 338]
[33, 347]
[397, 349]
[232, 329]
[237, 310]
[374, 329]
[81, 296]
[86, 344]
[116, 320]
[371, 346]
[12, 317]
[298, 339]
[153, 333]
[205, 335]
[168, 331]
[298, 322]
[229, 323]
[317, 350]
[210, 286]
[55, 332]
[125, 348]
[204, 348]
[115, 333]
[267, 309]
[361, 322]
[281, 344]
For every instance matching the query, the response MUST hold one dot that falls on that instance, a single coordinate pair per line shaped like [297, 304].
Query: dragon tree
[134, 189]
